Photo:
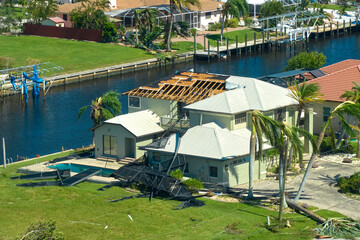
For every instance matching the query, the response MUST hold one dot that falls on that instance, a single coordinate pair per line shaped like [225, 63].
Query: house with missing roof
[210, 112]
[338, 78]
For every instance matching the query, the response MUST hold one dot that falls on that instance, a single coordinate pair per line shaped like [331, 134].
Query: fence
[63, 32]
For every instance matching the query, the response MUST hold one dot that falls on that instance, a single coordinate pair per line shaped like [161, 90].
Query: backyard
[72, 55]
[82, 212]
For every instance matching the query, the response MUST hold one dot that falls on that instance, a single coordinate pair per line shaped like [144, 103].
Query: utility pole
[4, 152]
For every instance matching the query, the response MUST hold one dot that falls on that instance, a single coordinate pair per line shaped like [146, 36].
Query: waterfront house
[121, 136]
[215, 140]
[339, 78]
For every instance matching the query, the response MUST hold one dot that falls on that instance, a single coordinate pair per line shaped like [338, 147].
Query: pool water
[79, 168]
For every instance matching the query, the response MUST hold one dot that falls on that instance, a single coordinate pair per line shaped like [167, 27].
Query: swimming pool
[79, 168]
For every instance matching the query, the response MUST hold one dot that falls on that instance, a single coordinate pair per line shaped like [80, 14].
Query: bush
[109, 32]
[233, 23]
[42, 230]
[193, 185]
[32, 61]
[177, 174]
[193, 31]
[6, 62]
[350, 184]
[214, 27]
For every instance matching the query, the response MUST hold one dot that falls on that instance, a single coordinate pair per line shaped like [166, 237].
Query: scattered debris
[315, 165]
[339, 228]
[130, 217]
[347, 160]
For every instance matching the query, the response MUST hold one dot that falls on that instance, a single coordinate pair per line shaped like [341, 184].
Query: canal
[46, 125]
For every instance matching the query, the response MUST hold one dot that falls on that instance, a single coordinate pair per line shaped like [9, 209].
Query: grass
[81, 212]
[232, 36]
[182, 47]
[337, 7]
[72, 55]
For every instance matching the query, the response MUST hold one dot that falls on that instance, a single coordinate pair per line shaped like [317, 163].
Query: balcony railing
[174, 122]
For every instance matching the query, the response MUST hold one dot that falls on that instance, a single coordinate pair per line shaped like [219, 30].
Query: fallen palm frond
[339, 228]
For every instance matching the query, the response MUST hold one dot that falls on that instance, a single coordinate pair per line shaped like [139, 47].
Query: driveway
[319, 190]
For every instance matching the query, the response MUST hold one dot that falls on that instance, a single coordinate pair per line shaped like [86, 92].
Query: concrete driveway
[320, 190]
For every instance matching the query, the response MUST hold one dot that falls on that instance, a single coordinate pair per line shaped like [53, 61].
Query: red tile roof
[336, 83]
[57, 20]
[340, 66]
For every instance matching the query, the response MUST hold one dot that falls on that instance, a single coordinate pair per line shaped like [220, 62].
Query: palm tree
[103, 108]
[177, 4]
[235, 8]
[354, 96]
[260, 125]
[349, 108]
[304, 94]
[287, 133]
[271, 8]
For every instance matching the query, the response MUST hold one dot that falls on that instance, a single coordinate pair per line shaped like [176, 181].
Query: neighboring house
[212, 154]
[199, 18]
[64, 12]
[54, 21]
[121, 136]
[339, 78]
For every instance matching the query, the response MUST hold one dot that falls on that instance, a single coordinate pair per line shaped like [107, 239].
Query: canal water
[45, 125]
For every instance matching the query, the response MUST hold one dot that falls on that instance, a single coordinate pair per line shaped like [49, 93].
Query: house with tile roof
[339, 78]
[53, 21]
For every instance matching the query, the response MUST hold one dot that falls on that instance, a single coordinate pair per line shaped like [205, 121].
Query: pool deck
[43, 167]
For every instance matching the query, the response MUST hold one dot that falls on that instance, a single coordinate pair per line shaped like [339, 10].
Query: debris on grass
[339, 228]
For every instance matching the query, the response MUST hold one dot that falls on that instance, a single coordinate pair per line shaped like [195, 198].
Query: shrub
[109, 32]
[32, 61]
[177, 174]
[6, 62]
[193, 31]
[193, 185]
[42, 230]
[233, 23]
[350, 184]
[214, 27]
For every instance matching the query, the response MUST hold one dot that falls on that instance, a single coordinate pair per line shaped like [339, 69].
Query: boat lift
[287, 24]
[20, 78]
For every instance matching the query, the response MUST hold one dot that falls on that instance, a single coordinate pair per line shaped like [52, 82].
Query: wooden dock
[226, 49]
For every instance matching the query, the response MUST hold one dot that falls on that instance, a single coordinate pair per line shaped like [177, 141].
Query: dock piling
[195, 45]
[337, 28]
[208, 50]
[218, 49]
[254, 41]
[237, 45]
[245, 43]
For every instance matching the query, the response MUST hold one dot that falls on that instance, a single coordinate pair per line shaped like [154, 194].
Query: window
[240, 118]
[280, 114]
[213, 172]
[65, 17]
[208, 15]
[134, 102]
[110, 145]
[326, 113]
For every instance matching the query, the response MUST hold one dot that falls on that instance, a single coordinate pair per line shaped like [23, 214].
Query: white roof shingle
[140, 123]
[245, 94]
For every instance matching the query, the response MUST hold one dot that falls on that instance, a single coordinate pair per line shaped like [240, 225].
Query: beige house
[339, 78]
[121, 136]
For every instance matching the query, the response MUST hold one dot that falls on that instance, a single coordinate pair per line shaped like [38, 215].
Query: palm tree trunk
[252, 161]
[292, 148]
[312, 159]
[222, 27]
[281, 180]
[168, 41]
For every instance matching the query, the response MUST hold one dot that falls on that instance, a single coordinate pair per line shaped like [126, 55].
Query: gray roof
[290, 73]
[211, 141]
[140, 123]
[246, 94]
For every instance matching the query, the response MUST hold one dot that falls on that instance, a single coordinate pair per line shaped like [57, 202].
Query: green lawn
[72, 55]
[182, 47]
[232, 36]
[81, 212]
[337, 7]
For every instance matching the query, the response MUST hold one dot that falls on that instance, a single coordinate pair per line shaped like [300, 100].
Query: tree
[343, 5]
[234, 8]
[307, 60]
[349, 108]
[271, 8]
[354, 96]
[8, 16]
[177, 4]
[304, 94]
[40, 10]
[261, 125]
[90, 15]
[103, 108]
[287, 133]
[109, 32]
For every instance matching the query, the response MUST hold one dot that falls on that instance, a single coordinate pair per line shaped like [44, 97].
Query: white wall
[204, 22]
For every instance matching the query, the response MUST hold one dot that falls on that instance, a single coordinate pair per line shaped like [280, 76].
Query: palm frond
[81, 111]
